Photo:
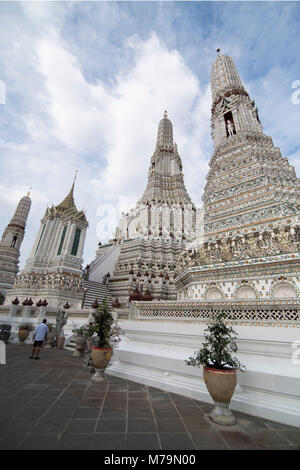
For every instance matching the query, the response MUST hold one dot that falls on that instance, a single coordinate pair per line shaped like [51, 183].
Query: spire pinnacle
[218, 50]
[28, 194]
[68, 202]
[76, 172]
[165, 115]
[224, 76]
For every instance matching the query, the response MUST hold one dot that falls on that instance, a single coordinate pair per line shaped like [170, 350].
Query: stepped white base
[154, 353]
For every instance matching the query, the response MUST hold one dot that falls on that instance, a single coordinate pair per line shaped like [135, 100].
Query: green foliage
[26, 326]
[217, 348]
[102, 326]
[82, 331]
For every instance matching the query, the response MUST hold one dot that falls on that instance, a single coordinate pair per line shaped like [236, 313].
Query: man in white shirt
[39, 336]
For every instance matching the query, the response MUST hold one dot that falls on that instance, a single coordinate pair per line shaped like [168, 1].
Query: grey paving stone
[90, 403]
[108, 403]
[176, 441]
[111, 425]
[113, 413]
[197, 422]
[251, 424]
[108, 442]
[50, 425]
[166, 413]
[59, 412]
[38, 442]
[74, 442]
[141, 425]
[142, 441]
[87, 413]
[136, 413]
[11, 441]
[208, 439]
[292, 436]
[36, 386]
[239, 440]
[270, 438]
[138, 403]
[167, 425]
[30, 413]
[277, 426]
[82, 426]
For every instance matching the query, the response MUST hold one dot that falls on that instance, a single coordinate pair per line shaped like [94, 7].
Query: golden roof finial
[165, 114]
[28, 194]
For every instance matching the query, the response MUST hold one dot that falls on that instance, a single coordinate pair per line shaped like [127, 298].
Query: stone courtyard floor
[53, 404]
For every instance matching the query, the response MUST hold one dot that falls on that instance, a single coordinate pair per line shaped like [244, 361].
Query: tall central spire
[165, 177]
[165, 132]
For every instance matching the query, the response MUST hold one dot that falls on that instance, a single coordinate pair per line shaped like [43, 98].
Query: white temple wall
[154, 353]
[260, 288]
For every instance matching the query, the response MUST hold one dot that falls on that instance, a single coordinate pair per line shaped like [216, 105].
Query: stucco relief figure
[224, 251]
[202, 256]
[284, 244]
[253, 248]
[230, 127]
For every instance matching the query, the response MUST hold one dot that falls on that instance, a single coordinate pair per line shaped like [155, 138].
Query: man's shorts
[37, 343]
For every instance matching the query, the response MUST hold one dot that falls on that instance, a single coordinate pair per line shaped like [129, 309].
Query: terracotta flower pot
[23, 335]
[221, 385]
[100, 359]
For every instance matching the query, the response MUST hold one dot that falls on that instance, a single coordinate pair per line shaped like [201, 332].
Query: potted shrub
[80, 339]
[24, 331]
[219, 367]
[104, 331]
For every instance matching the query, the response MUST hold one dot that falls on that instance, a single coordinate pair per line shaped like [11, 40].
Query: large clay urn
[100, 359]
[221, 385]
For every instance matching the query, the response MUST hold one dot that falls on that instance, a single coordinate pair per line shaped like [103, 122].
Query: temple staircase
[96, 290]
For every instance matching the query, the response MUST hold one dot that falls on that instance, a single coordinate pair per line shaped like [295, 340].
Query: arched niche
[245, 292]
[284, 290]
[213, 293]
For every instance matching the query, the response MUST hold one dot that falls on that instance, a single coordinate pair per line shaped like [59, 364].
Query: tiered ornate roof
[67, 208]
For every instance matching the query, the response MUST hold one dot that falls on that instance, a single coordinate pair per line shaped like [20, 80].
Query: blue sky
[87, 83]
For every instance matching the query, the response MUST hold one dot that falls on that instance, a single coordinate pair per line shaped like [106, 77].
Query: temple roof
[68, 203]
[67, 208]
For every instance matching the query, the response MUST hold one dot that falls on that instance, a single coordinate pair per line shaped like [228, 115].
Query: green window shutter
[40, 239]
[62, 240]
[76, 242]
